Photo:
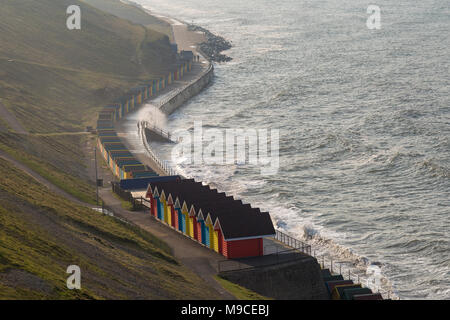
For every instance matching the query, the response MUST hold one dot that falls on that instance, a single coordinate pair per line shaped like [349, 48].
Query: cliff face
[296, 280]
[52, 78]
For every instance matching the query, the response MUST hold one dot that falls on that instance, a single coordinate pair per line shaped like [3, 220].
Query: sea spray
[155, 116]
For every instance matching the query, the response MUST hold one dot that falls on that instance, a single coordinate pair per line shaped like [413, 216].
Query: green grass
[238, 291]
[41, 234]
[133, 14]
[54, 79]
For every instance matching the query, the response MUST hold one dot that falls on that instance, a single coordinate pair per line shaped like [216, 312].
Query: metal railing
[143, 202]
[173, 94]
[326, 261]
[335, 267]
[163, 166]
[157, 130]
[292, 242]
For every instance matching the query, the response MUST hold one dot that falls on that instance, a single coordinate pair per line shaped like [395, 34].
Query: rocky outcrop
[213, 46]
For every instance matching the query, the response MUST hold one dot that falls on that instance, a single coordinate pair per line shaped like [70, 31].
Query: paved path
[11, 120]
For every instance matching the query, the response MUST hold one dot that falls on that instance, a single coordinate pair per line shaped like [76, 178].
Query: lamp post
[96, 173]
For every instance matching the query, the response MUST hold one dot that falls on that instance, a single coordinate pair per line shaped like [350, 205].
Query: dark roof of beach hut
[236, 219]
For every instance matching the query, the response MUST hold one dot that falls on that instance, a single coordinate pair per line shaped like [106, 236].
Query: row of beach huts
[213, 219]
[121, 161]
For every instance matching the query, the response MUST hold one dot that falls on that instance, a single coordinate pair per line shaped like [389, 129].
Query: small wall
[188, 92]
[296, 280]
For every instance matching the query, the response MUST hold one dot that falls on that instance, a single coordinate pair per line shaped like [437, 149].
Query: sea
[364, 128]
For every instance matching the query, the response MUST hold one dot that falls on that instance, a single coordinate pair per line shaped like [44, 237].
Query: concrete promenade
[127, 129]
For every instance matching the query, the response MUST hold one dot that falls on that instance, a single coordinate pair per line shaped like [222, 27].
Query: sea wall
[296, 280]
[188, 92]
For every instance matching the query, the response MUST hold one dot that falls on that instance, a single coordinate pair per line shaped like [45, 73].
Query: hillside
[42, 234]
[132, 13]
[51, 76]
[52, 83]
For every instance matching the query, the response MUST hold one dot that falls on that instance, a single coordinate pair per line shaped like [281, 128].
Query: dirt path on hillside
[11, 120]
[42, 180]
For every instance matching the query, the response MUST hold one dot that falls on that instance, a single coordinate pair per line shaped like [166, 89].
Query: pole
[96, 173]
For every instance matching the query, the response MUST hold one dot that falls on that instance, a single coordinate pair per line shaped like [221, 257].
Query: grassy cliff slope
[133, 13]
[53, 82]
[42, 234]
[55, 79]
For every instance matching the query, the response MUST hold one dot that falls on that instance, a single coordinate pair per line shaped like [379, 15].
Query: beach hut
[204, 230]
[123, 106]
[331, 284]
[159, 209]
[350, 293]
[193, 223]
[154, 82]
[185, 212]
[152, 201]
[338, 291]
[219, 236]
[172, 212]
[144, 174]
[165, 208]
[181, 221]
[199, 219]
[373, 296]
[210, 226]
[148, 89]
[113, 110]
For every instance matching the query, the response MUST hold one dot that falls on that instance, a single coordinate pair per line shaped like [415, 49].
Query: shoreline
[324, 251]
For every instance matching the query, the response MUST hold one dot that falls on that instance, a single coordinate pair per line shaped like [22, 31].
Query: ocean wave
[434, 168]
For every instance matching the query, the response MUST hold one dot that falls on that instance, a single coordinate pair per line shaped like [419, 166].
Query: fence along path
[327, 262]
